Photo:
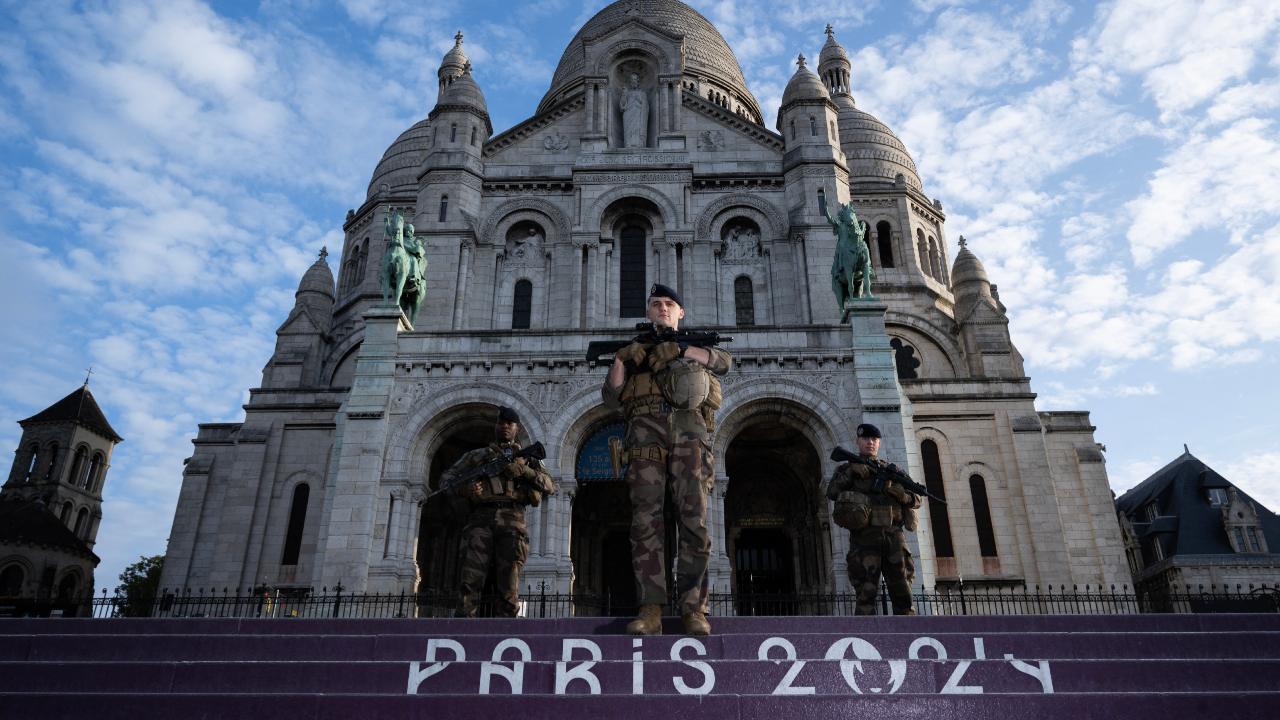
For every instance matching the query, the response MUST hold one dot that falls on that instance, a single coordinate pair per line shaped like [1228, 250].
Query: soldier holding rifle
[876, 502]
[498, 480]
[664, 382]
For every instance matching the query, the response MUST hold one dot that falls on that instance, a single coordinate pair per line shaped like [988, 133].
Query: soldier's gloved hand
[632, 355]
[663, 353]
[473, 490]
[897, 492]
[516, 468]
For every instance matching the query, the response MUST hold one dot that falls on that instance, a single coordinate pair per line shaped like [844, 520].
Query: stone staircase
[1007, 667]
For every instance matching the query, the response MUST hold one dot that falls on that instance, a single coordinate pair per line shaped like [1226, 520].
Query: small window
[884, 243]
[11, 579]
[793, 129]
[297, 521]
[473, 134]
[522, 305]
[1255, 539]
[82, 523]
[938, 519]
[822, 202]
[53, 462]
[982, 516]
[1217, 497]
[744, 301]
[30, 475]
[453, 132]
[1238, 534]
[813, 126]
[444, 208]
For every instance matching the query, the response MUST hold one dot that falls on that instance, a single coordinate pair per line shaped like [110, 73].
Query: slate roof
[1192, 526]
[78, 407]
[29, 522]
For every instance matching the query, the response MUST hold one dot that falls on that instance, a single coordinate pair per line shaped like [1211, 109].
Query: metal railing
[541, 602]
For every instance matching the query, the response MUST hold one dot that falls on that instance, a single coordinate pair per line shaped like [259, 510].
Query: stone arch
[916, 330]
[766, 215]
[606, 57]
[807, 406]
[595, 216]
[343, 352]
[522, 209]
[588, 413]
[70, 584]
[413, 441]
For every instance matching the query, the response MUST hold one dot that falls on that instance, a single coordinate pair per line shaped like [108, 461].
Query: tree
[139, 586]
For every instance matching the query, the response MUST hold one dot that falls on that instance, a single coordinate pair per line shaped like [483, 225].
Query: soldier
[669, 397]
[495, 534]
[875, 510]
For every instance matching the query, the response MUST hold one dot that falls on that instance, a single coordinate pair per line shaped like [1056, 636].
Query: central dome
[705, 49]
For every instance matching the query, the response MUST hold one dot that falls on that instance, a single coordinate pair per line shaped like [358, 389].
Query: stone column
[884, 405]
[349, 543]
[460, 296]
[720, 571]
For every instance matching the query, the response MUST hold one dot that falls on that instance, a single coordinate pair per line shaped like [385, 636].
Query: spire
[453, 64]
[833, 65]
[800, 62]
[88, 372]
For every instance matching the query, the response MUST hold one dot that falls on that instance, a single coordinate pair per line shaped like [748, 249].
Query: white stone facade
[365, 410]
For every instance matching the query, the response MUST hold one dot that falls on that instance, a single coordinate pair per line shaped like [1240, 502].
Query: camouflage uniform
[495, 528]
[668, 447]
[877, 544]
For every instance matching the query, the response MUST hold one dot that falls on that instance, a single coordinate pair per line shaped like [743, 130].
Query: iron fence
[542, 602]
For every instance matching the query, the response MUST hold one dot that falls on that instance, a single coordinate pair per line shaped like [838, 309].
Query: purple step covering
[1189, 706]
[1084, 645]
[731, 677]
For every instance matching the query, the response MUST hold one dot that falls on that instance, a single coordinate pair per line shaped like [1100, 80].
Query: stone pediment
[730, 126]
[547, 133]
[299, 322]
[635, 34]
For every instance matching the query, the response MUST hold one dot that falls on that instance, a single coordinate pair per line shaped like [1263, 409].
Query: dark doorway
[765, 572]
[444, 516]
[779, 547]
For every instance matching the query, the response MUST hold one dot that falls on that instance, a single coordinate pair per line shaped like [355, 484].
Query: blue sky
[170, 169]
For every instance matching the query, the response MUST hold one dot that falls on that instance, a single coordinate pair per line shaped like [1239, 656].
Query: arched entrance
[772, 529]
[444, 516]
[600, 534]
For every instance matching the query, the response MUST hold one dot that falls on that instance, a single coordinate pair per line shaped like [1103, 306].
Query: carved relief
[524, 244]
[741, 242]
[711, 140]
[555, 142]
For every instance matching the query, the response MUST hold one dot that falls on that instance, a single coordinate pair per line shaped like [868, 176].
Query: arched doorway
[776, 550]
[444, 516]
[600, 534]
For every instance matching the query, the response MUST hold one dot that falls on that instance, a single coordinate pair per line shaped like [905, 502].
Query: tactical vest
[643, 394]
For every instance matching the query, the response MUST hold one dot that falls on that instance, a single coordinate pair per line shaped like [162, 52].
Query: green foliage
[139, 587]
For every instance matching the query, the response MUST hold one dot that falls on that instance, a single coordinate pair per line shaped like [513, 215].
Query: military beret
[660, 290]
[506, 414]
[868, 430]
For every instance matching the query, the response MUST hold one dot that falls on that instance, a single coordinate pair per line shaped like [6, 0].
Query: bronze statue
[404, 267]
[851, 272]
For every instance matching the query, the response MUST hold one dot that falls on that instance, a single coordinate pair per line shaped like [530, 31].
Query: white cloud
[1063, 396]
[1214, 186]
[1186, 52]
[1258, 475]
[1245, 101]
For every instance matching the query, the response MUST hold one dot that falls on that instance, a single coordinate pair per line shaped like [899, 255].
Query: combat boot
[695, 623]
[649, 622]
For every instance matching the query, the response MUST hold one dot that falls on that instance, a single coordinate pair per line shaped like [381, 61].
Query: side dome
[705, 49]
[398, 168]
[318, 278]
[465, 92]
[804, 85]
[968, 275]
[874, 153]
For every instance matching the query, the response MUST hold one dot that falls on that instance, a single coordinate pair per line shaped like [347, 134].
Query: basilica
[648, 160]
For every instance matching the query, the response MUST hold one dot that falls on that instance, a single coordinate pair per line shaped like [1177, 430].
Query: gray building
[51, 505]
[646, 161]
[1188, 527]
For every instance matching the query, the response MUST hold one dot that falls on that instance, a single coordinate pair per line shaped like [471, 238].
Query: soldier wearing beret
[876, 510]
[668, 393]
[495, 536]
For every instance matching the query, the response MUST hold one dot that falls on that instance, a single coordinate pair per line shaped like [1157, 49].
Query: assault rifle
[885, 472]
[491, 468]
[600, 352]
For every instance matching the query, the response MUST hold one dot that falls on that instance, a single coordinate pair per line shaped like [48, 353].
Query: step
[591, 625]
[1130, 706]
[1026, 645]
[656, 677]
